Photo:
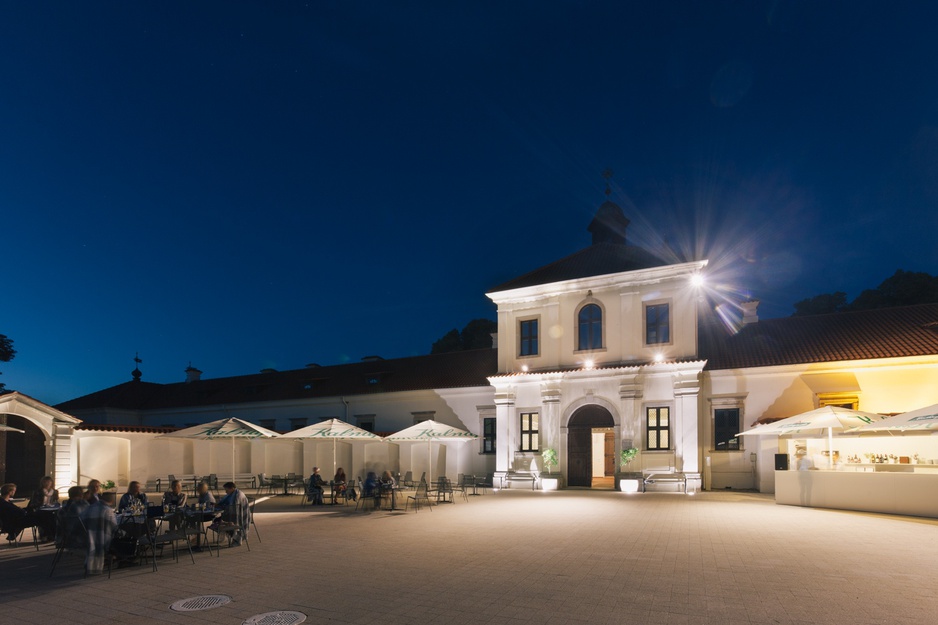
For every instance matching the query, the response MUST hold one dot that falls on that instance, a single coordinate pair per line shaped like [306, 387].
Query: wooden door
[610, 454]
[580, 457]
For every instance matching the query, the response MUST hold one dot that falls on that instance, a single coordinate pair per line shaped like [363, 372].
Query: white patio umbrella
[224, 428]
[334, 429]
[923, 419]
[827, 418]
[430, 431]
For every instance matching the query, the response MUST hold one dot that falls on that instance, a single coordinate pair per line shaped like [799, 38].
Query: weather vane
[608, 175]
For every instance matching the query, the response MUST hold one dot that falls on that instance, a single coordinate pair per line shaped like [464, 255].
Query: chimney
[192, 374]
[750, 311]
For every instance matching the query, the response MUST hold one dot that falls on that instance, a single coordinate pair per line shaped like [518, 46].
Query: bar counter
[892, 491]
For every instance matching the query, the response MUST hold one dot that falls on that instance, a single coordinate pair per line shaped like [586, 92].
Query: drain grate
[276, 618]
[204, 602]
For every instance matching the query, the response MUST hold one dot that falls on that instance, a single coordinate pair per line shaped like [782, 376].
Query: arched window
[590, 322]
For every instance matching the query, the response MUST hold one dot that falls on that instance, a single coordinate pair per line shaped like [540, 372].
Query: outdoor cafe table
[197, 519]
[392, 490]
[281, 479]
[47, 519]
[442, 488]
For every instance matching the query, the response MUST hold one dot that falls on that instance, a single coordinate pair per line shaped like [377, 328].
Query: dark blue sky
[249, 185]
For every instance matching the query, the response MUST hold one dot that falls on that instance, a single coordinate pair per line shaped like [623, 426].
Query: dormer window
[590, 328]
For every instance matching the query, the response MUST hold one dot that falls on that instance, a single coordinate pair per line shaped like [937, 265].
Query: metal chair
[422, 494]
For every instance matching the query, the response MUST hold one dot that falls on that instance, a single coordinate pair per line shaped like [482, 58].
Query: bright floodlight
[588, 364]
[659, 357]
[697, 280]
[524, 368]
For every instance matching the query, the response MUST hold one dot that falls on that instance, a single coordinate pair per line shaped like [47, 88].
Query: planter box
[550, 482]
[631, 485]
[630, 482]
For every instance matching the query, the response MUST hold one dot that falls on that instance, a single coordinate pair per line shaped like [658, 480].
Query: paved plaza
[520, 557]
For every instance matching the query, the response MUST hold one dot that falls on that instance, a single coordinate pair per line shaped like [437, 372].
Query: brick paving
[519, 558]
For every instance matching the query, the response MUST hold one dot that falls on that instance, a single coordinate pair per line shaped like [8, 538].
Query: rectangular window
[528, 332]
[365, 422]
[725, 429]
[270, 424]
[297, 423]
[529, 438]
[657, 324]
[659, 428]
[488, 435]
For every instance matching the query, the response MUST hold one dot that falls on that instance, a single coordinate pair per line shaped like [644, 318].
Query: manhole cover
[276, 618]
[205, 602]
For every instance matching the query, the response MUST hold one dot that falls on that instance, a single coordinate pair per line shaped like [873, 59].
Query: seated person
[237, 512]
[371, 488]
[43, 497]
[101, 524]
[70, 532]
[93, 491]
[387, 486]
[316, 487]
[133, 498]
[338, 484]
[174, 497]
[13, 519]
[204, 497]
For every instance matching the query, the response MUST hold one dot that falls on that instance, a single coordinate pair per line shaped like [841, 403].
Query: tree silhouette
[903, 288]
[7, 353]
[476, 335]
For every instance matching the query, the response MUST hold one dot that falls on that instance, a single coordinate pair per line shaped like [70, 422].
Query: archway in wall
[584, 423]
[24, 455]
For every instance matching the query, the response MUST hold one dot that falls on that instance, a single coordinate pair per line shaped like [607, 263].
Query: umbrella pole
[830, 448]
[333, 457]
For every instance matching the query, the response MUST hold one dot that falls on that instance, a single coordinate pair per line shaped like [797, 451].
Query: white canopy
[923, 419]
[224, 428]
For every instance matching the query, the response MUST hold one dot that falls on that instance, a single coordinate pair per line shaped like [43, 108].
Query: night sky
[243, 185]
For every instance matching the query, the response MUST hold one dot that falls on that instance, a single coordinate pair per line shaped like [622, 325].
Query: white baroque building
[606, 349]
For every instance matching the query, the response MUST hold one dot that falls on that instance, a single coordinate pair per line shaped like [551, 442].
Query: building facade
[608, 349]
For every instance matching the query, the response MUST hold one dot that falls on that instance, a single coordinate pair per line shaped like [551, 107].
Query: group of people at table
[87, 519]
[372, 486]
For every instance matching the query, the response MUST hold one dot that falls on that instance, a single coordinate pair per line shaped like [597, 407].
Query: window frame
[645, 326]
[736, 429]
[530, 434]
[657, 428]
[365, 422]
[522, 322]
[601, 338]
[489, 436]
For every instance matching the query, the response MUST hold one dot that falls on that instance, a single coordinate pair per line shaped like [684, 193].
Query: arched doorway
[586, 422]
[24, 457]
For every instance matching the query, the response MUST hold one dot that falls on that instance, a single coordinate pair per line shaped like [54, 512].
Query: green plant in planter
[549, 456]
[626, 456]
[108, 485]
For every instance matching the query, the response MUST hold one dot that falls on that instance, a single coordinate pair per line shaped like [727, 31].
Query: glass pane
[665, 444]
[652, 439]
[663, 417]
[534, 443]
[534, 421]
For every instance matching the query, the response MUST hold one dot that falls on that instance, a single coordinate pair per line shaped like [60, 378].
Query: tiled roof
[140, 429]
[598, 259]
[451, 370]
[861, 335]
